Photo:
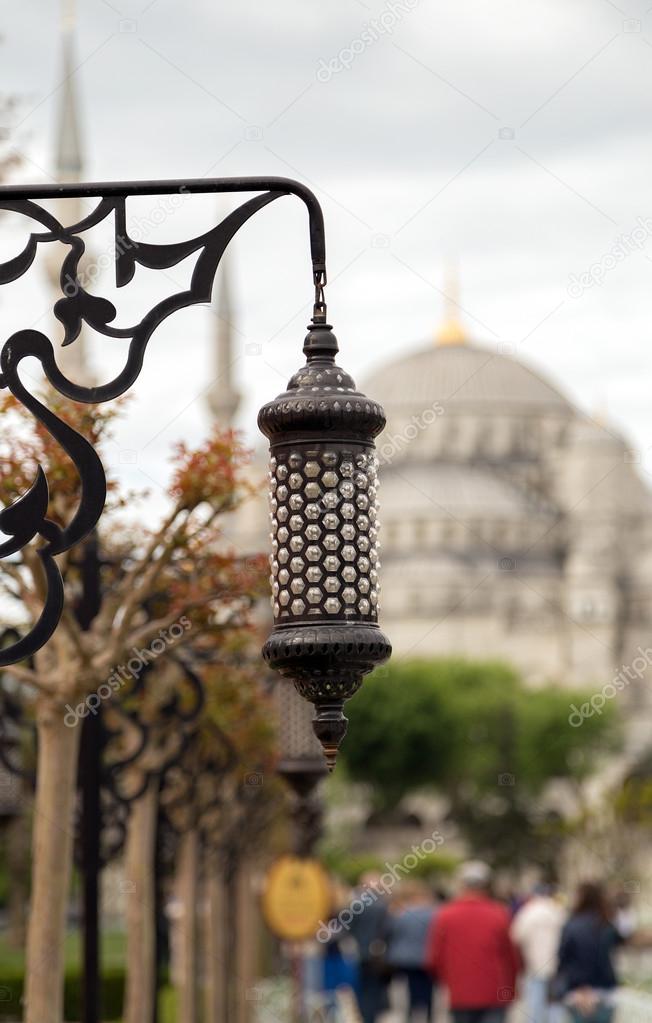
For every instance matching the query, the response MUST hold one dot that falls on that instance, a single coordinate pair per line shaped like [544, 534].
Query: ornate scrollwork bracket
[26, 519]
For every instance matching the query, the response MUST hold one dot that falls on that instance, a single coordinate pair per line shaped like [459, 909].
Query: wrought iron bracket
[26, 519]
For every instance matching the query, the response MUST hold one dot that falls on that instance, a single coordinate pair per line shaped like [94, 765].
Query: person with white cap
[470, 951]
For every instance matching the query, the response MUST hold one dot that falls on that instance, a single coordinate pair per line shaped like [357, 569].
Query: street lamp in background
[323, 469]
[301, 766]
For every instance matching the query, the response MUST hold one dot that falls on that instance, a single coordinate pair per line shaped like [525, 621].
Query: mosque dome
[463, 375]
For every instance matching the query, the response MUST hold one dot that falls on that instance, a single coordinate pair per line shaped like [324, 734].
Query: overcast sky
[514, 137]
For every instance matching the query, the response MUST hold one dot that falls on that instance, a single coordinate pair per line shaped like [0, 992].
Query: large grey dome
[462, 374]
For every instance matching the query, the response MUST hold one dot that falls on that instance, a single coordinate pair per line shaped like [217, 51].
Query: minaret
[223, 399]
[451, 331]
[68, 167]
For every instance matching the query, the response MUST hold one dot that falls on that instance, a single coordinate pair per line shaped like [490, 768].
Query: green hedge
[113, 986]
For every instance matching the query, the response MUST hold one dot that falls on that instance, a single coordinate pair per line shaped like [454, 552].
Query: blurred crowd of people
[478, 953]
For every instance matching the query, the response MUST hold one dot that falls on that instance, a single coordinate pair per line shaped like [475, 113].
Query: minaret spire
[223, 398]
[451, 331]
[69, 156]
[68, 167]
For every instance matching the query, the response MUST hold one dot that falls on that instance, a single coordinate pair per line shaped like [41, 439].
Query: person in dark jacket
[369, 929]
[586, 978]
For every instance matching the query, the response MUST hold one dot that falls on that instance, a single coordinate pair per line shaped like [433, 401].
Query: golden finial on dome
[451, 331]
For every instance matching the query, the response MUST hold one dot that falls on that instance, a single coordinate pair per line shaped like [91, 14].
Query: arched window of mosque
[419, 532]
[448, 532]
[390, 530]
[484, 439]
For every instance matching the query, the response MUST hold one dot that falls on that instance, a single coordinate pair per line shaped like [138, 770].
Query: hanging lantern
[324, 532]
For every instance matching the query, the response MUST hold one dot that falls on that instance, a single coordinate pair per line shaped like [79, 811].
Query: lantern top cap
[320, 341]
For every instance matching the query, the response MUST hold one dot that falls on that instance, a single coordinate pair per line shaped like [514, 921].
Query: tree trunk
[215, 1006]
[51, 861]
[188, 893]
[247, 945]
[140, 913]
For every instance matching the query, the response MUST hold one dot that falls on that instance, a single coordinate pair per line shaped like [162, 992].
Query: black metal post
[90, 829]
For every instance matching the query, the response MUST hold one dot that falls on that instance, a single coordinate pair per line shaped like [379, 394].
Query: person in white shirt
[536, 930]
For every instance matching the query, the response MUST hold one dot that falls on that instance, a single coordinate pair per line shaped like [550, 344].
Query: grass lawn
[113, 956]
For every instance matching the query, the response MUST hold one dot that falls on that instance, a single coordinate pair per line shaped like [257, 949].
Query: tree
[474, 731]
[209, 592]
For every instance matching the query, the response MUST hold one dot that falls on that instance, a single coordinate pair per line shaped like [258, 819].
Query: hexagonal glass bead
[296, 523]
[313, 532]
[363, 584]
[314, 595]
[284, 577]
[330, 479]
[297, 585]
[329, 458]
[373, 597]
[361, 481]
[312, 512]
[284, 555]
[295, 481]
[275, 589]
[296, 502]
[283, 514]
[362, 502]
[298, 607]
[349, 595]
[331, 541]
[364, 607]
[276, 608]
[347, 490]
[347, 510]
[313, 553]
[364, 564]
[312, 469]
[314, 574]
[331, 563]
[348, 531]
[297, 565]
[349, 574]
[332, 584]
[364, 543]
[284, 598]
[362, 522]
[283, 534]
[282, 472]
[346, 469]
[330, 499]
[273, 565]
[295, 460]
[296, 544]
[349, 552]
[331, 521]
[282, 493]
[332, 605]
[312, 490]
[273, 505]
[373, 555]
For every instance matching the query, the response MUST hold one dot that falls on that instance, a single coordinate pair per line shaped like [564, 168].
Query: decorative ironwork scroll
[26, 519]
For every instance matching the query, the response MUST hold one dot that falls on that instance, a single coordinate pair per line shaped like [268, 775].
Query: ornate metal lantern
[324, 533]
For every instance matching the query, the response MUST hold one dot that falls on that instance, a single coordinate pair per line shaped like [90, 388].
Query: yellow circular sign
[296, 898]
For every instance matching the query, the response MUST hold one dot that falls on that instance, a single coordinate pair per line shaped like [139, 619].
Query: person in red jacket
[470, 951]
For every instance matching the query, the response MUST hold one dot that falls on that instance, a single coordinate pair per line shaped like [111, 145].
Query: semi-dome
[463, 374]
